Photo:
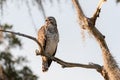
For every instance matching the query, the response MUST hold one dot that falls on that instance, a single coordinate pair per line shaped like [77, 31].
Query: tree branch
[59, 61]
[97, 11]
[70, 65]
[110, 65]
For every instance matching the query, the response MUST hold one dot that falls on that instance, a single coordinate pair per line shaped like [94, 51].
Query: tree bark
[110, 66]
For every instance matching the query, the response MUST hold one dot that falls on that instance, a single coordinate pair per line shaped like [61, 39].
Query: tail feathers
[46, 65]
[49, 62]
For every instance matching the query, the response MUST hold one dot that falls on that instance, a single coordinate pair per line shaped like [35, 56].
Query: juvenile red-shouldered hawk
[48, 36]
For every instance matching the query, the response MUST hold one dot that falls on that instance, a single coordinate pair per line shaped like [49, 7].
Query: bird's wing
[42, 36]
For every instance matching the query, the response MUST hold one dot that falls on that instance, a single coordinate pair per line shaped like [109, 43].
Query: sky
[72, 47]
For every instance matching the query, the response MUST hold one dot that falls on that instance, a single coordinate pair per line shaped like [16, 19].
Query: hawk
[48, 36]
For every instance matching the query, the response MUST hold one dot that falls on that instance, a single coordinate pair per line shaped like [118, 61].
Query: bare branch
[97, 11]
[70, 65]
[64, 64]
[59, 61]
[110, 65]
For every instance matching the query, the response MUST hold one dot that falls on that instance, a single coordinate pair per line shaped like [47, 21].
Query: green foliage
[9, 62]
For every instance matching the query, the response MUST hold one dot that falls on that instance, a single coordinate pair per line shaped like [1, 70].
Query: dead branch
[111, 68]
[70, 65]
[96, 13]
[59, 61]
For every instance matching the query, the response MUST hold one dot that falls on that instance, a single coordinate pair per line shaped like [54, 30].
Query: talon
[37, 52]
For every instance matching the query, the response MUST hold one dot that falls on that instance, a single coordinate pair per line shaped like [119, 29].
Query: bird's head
[51, 20]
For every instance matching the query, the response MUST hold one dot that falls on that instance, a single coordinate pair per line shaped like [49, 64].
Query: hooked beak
[47, 20]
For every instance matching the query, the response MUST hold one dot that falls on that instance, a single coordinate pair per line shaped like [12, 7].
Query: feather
[48, 37]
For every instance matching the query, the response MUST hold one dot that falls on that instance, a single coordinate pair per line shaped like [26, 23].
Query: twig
[97, 11]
